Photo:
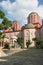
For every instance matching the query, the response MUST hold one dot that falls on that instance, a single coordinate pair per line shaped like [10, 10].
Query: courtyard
[23, 57]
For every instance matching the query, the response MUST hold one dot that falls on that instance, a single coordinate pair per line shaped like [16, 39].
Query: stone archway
[14, 41]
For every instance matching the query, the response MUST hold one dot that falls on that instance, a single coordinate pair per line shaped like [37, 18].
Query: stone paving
[2, 54]
[24, 57]
[1, 48]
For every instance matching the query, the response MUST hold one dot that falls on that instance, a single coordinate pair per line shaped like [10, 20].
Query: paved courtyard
[24, 57]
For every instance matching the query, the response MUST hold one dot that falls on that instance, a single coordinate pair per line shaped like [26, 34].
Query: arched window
[28, 33]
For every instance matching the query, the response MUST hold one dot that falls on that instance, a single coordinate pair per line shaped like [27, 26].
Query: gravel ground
[24, 57]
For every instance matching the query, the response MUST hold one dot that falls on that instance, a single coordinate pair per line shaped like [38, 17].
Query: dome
[16, 26]
[29, 26]
[33, 17]
[33, 13]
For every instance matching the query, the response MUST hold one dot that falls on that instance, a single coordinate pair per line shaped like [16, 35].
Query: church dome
[33, 18]
[33, 13]
[29, 26]
[16, 26]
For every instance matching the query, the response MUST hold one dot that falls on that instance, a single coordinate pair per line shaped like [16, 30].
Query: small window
[31, 33]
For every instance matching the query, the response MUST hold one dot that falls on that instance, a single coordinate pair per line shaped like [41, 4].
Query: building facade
[33, 29]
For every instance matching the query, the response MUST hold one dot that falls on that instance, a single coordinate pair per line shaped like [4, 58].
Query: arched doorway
[14, 42]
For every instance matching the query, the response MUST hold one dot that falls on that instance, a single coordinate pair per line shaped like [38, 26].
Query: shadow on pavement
[24, 57]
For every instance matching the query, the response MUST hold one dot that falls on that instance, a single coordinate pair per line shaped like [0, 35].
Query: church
[33, 29]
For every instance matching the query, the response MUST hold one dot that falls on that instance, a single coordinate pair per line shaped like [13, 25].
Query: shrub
[22, 45]
[6, 46]
[12, 46]
[34, 39]
[28, 43]
[41, 44]
[20, 42]
[38, 43]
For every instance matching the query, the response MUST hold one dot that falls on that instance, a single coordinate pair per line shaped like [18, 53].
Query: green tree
[2, 14]
[1, 26]
[41, 44]
[28, 43]
[2, 38]
[6, 22]
[20, 42]
[38, 43]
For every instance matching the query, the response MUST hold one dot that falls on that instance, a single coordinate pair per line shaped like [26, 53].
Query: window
[27, 33]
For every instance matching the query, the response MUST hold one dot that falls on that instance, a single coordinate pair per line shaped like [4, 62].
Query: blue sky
[20, 9]
[40, 2]
[6, 0]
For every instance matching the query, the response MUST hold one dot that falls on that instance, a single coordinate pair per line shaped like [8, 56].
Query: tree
[2, 14]
[41, 44]
[1, 26]
[28, 43]
[20, 42]
[2, 38]
[6, 46]
[38, 43]
[6, 22]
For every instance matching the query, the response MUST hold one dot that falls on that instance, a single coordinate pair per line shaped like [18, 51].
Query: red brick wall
[16, 26]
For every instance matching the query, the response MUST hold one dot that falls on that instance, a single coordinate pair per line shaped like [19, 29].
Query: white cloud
[20, 9]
